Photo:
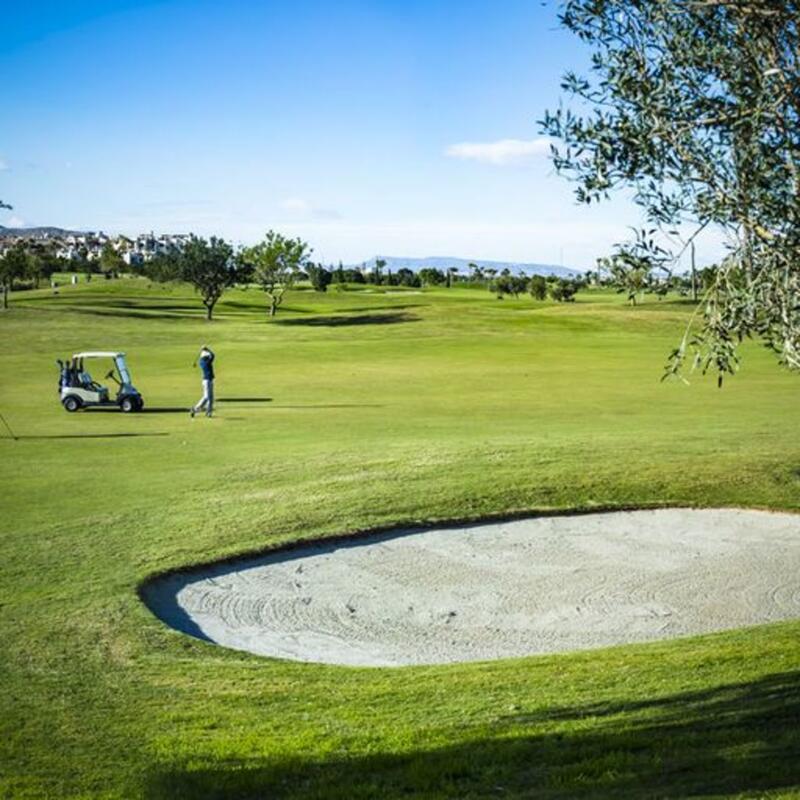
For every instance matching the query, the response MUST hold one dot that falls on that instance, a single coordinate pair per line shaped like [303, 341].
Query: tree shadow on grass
[297, 406]
[86, 436]
[389, 306]
[332, 405]
[258, 304]
[112, 408]
[677, 302]
[139, 308]
[736, 739]
[243, 400]
[132, 314]
[147, 309]
[353, 319]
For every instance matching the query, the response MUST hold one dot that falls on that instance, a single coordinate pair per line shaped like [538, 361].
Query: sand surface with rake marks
[496, 590]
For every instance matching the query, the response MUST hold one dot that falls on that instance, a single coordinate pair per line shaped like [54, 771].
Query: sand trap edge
[416, 526]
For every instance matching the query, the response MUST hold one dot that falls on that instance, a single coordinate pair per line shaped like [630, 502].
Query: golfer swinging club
[206, 361]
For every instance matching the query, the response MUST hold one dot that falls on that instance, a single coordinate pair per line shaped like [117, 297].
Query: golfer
[206, 362]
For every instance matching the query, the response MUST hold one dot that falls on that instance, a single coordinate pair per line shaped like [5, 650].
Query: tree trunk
[5, 296]
[694, 277]
[209, 311]
[273, 307]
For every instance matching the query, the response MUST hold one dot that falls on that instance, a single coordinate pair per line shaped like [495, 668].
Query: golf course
[363, 411]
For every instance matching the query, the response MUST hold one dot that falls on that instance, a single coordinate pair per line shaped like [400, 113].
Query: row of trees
[625, 274]
[30, 261]
[212, 266]
[27, 263]
[561, 290]
[277, 262]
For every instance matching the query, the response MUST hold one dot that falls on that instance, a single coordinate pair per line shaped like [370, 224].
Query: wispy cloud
[298, 207]
[4, 165]
[501, 152]
[15, 222]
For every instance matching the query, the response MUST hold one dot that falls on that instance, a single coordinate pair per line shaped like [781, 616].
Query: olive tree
[538, 287]
[210, 267]
[508, 284]
[14, 266]
[629, 270]
[319, 277]
[163, 267]
[694, 106]
[42, 259]
[111, 262]
[430, 276]
[562, 290]
[274, 264]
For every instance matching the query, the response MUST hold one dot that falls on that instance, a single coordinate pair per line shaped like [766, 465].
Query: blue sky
[365, 127]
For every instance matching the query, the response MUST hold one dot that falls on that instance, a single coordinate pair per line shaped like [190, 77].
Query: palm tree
[475, 272]
[380, 263]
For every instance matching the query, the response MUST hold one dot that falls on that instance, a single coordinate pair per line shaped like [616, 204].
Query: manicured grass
[350, 411]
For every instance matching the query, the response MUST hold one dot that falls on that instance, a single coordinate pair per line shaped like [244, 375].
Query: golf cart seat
[87, 382]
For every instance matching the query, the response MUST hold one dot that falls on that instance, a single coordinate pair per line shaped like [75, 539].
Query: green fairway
[349, 411]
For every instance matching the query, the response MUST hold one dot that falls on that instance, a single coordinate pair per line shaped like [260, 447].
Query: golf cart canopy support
[119, 360]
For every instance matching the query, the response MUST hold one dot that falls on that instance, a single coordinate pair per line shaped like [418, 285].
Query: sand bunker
[542, 585]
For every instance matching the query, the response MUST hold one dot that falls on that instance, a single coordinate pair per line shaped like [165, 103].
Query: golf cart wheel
[71, 403]
[128, 404]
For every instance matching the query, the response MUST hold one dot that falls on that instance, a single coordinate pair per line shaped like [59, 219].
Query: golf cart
[77, 389]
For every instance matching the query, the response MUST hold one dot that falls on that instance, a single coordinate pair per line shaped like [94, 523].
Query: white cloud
[15, 222]
[4, 165]
[298, 207]
[501, 152]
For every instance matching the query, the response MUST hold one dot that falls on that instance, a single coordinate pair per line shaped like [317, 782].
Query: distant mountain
[462, 265]
[38, 233]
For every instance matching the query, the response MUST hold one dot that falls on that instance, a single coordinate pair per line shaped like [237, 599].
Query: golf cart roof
[99, 354]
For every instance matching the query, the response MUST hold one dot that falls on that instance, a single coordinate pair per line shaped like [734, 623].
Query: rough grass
[349, 411]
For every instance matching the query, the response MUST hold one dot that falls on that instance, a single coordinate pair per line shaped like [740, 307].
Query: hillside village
[82, 246]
